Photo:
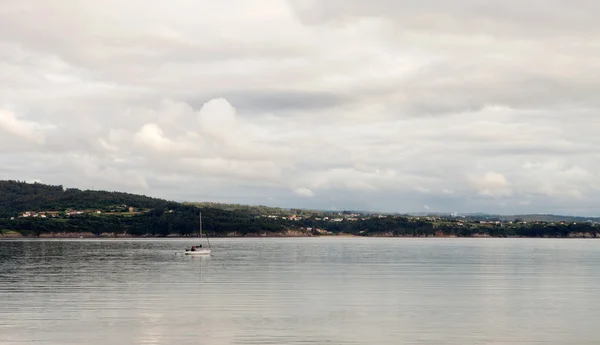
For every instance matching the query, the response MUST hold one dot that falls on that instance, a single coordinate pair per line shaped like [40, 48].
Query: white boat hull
[198, 252]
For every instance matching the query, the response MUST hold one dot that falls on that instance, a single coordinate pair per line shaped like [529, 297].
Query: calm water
[301, 291]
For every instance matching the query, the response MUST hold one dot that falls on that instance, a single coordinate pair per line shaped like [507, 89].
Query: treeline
[183, 221]
[163, 218]
[411, 227]
[257, 210]
[180, 220]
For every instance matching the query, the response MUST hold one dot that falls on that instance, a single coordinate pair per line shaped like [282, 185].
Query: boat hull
[198, 252]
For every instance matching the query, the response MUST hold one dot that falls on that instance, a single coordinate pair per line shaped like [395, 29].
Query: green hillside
[38, 209]
[34, 209]
[18, 196]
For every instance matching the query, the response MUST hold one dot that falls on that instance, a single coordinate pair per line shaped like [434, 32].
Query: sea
[302, 291]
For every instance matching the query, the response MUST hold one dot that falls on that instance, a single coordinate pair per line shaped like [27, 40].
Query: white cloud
[151, 135]
[217, 119]
[107, 146]
[304, 192]
[24, 129]
[492, 184]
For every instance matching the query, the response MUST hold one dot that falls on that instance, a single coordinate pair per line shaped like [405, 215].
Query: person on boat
[193, 248]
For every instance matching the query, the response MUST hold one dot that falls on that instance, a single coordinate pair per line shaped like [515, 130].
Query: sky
[380, 105]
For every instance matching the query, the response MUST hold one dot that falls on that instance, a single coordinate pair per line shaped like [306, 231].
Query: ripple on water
[300, 291]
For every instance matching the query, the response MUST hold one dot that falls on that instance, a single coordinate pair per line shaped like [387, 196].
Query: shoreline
[88, 235]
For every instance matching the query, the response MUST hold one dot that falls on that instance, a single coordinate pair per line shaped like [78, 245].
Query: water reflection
[300, 291]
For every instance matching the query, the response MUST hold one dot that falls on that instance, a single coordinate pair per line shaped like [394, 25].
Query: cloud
[500, 18]
[29, 130]
[217, 118]
[151, 135]
[385, 106]
[492, 184]
[304, 192]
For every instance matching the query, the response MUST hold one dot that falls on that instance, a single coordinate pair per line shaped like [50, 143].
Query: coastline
[287, 234]
[175, 236]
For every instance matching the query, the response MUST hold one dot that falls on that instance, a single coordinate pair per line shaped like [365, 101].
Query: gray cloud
[386, 105]
[538, 18]
[283, 100]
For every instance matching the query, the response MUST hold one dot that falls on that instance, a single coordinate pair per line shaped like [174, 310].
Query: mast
[207, 240]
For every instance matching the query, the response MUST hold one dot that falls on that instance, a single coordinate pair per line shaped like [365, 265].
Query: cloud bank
[385, 105]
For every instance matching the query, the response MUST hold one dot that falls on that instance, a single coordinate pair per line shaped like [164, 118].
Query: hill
[35, 209]
[18, 196]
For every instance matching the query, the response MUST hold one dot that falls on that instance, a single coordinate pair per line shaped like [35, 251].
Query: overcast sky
[450, 106]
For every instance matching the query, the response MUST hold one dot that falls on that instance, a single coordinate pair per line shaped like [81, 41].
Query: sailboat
[199, 250]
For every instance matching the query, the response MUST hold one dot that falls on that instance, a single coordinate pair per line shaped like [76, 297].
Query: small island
[40, 210]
